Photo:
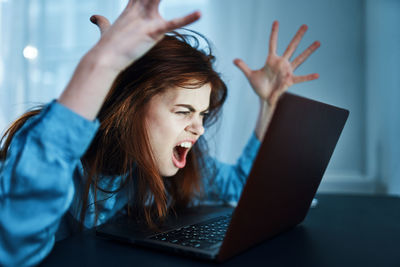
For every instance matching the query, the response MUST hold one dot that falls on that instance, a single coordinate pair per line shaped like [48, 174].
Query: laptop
[278, 193]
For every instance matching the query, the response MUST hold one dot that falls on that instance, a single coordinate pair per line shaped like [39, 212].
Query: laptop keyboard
[204, 235]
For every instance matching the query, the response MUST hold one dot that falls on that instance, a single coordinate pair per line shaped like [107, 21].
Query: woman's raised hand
[276, 76]
[137, 29]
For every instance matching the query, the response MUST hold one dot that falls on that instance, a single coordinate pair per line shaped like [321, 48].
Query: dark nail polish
[93, 19]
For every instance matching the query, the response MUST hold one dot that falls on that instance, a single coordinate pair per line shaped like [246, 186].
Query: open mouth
[179, 154]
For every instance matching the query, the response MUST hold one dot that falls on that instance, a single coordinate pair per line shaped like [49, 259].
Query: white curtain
[2, 121]
[357, 63]
[60, 31]
[12, 63]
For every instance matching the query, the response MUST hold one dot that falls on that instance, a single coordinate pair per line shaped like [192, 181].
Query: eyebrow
[191, 108]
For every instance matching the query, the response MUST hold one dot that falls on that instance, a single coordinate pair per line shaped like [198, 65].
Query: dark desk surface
[340, 231]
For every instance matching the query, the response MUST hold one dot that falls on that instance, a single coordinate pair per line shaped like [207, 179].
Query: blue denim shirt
[40, 184]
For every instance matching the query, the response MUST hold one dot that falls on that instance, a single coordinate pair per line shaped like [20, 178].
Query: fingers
[130, 3]
[306, 53]
[101, 22]
[243, 67]
[295, 42]
[152, 5]
[305, 78]
[273, 39]
[178, 23]
[147, 5]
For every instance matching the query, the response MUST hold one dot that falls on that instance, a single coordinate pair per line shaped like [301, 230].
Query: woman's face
[174, 121]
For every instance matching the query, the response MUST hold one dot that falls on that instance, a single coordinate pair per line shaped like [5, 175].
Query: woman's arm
[36, 186]
[269, 82]
[224, 182]
[276, 76]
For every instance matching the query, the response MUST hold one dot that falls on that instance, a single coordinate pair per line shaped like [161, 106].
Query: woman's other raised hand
[276, 76]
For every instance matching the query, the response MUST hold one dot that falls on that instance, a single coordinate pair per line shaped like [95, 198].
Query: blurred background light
[30, 52]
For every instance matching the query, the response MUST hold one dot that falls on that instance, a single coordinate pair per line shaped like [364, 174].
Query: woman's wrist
[100, 59]
[264, 118]
[89, 85]
[111, 56]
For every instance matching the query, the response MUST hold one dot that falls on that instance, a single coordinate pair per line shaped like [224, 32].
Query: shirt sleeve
[224, 182]
[36, 185]
[109, 200]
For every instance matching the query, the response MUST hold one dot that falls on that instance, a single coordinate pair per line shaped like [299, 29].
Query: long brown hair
[121, 146]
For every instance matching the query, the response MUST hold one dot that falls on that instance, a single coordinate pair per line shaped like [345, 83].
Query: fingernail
[93, 19]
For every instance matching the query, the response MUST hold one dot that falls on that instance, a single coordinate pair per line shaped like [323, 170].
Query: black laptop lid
[288, 169]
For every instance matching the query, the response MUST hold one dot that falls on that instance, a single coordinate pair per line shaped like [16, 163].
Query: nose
[196, 126]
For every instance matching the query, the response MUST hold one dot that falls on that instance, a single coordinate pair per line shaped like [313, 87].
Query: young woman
[126, 132]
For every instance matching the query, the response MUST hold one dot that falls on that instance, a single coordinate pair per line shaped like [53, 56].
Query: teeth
[186, 144]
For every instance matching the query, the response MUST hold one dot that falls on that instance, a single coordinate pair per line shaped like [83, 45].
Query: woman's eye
[183, 112]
